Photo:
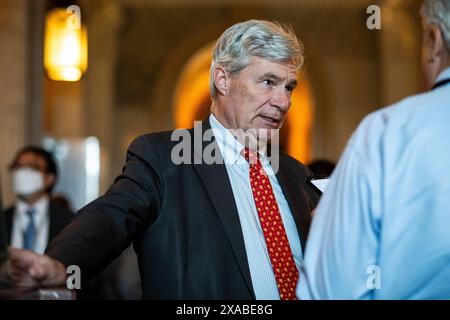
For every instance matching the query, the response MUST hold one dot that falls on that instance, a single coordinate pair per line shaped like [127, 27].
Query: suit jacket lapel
[217, 184]
[295, 198]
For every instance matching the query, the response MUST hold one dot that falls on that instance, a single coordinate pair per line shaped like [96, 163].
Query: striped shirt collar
[40, 211]
[230, 147]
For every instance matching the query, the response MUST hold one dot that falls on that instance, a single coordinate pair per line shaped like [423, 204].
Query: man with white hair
[233, 229]
[381, 230]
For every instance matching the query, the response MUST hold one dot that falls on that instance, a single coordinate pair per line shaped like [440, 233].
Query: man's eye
[289, 89]
[268, 82]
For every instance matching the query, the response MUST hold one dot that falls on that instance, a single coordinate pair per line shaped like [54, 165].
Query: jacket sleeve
[108, 225]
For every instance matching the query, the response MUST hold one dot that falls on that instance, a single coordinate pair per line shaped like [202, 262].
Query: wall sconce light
[65, 44]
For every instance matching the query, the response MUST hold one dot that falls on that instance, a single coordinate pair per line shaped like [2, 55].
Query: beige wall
[13, 84]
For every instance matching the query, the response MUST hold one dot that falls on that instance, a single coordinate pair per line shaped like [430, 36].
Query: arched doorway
[192, 101]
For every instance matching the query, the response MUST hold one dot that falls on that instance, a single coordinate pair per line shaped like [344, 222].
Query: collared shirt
[445, 75]
[263, 278]
[382, 228]
[41, 221]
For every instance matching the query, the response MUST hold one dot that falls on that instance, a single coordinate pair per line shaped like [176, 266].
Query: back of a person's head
[437, 12]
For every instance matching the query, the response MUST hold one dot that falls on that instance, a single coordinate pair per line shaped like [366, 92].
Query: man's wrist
[60, 276]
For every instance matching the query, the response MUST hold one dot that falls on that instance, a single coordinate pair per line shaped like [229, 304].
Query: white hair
[254, 38]
[438, 12]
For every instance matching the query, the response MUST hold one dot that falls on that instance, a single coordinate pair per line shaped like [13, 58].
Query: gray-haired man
[234, 229]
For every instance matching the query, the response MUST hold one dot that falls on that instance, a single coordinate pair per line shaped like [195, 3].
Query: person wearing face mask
[34, 219]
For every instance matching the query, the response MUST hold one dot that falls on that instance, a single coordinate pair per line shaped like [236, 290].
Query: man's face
[36, 162]
[259, 96]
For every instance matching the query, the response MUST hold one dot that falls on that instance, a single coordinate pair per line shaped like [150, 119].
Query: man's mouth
[272, 122]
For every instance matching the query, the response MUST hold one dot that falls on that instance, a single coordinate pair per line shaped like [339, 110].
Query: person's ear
[221, 80]
[435, 43]
[49, 180]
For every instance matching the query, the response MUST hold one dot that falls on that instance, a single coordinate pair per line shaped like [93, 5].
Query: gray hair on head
[254, 38]
[438, 12]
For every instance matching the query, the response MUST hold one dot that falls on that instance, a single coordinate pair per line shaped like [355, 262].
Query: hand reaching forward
[27, 269]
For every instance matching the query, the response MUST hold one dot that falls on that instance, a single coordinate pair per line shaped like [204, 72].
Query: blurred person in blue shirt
[382, 228]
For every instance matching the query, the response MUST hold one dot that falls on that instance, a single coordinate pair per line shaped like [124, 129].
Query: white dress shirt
[41, 221]
[263, 278]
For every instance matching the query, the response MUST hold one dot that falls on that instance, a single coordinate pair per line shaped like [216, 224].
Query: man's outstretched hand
[27, 269]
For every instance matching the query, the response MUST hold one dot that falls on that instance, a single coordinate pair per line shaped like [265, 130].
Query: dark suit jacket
[60, 217]
[183, 220]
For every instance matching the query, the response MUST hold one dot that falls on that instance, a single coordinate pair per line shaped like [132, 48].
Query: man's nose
[281, 99]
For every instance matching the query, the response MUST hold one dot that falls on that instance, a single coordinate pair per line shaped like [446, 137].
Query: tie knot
[30, 212]
[250, 155]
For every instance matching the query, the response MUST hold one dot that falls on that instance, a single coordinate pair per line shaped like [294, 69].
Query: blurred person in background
[37, 216]
[34, 220]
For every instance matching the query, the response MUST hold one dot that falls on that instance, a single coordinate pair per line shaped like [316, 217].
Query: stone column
[13, 85]
[103, 20]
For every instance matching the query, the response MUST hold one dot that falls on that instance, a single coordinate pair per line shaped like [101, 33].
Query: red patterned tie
[284, 268]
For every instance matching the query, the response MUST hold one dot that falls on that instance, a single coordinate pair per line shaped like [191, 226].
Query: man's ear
[221, 80]
[49, 180]
[435, 43]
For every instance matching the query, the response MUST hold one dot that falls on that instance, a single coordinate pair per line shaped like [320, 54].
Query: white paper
[321, 184]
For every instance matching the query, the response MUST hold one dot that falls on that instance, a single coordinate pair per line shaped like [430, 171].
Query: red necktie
[283, 264]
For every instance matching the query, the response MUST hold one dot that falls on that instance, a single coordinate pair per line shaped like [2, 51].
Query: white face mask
[27, 181]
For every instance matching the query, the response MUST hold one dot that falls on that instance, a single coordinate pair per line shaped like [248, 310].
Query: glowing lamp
[65, 44]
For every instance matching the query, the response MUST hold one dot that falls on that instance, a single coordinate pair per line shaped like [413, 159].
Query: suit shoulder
[8, 212]
[159, 146]
[155, 138]
[151, 146]
[61, 211]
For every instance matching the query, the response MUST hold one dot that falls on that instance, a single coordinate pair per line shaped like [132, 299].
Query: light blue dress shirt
[263, 278]
[382, 228]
